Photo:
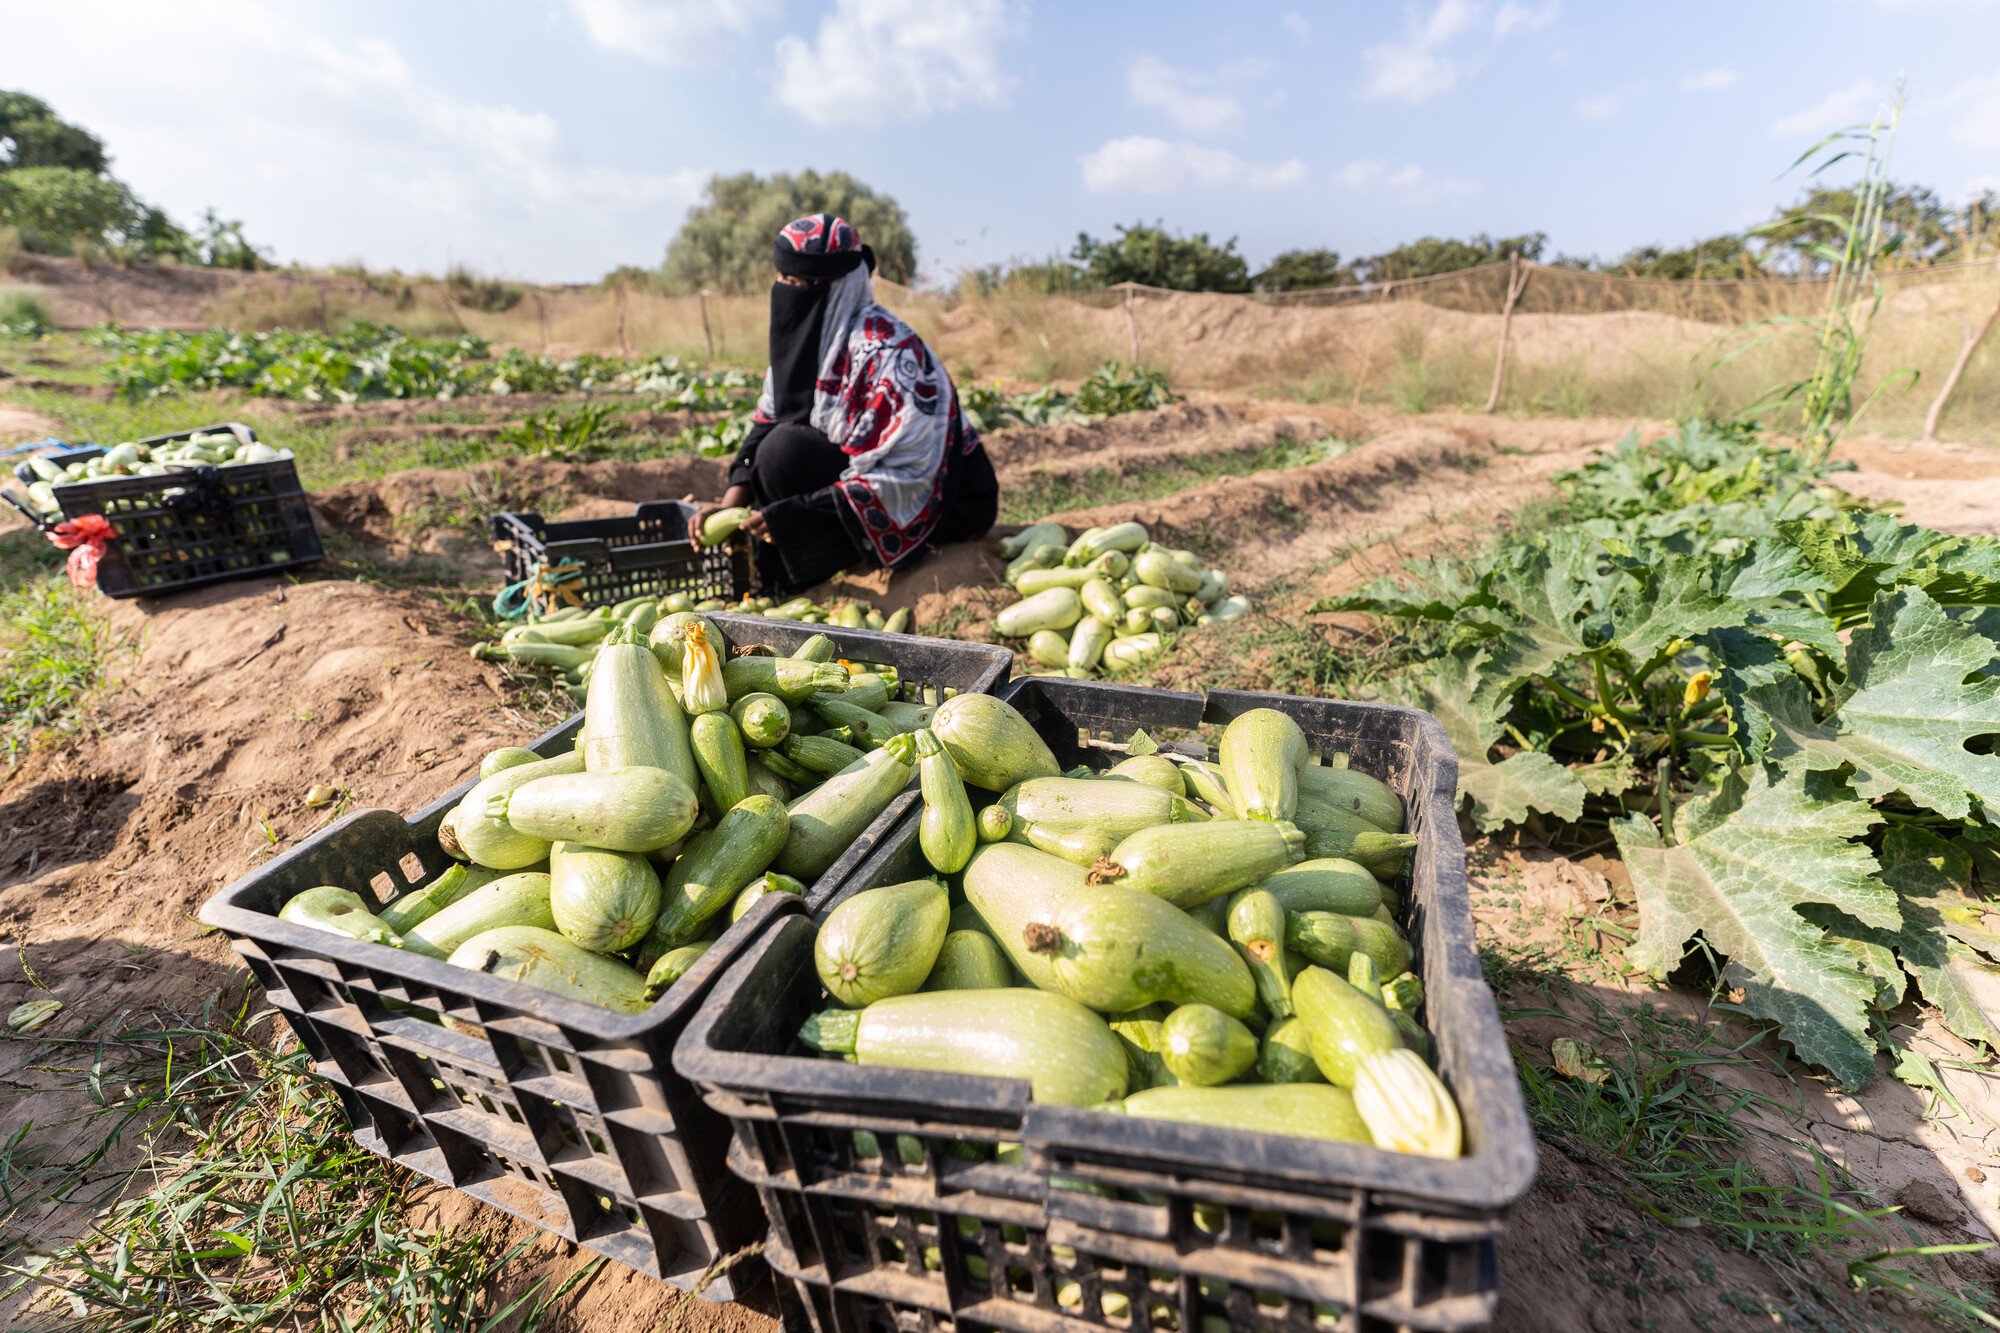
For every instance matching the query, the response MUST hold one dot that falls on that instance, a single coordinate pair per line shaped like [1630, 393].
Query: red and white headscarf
[880, 394]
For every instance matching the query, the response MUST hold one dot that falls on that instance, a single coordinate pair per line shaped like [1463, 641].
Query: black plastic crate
[195, 525]
[564, 1114]
[60, 457]
[646, 554]
[1138, 1225]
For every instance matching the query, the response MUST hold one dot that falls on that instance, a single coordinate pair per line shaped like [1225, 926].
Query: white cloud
[1140, 164]
[1975, 112]
[669, 32]
[1297, 24]
[1415, 69]
[1179, 96]
[1410, 184]
[877, 61]
[1605, 106]
[1710, 80]
[1856, 101]
[1511, 16]
[333, 150]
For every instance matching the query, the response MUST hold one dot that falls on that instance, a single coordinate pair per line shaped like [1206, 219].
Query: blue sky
[554, 139]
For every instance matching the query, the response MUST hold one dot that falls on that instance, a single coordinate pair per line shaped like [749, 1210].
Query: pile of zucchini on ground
[698, 783]
[1168, 939]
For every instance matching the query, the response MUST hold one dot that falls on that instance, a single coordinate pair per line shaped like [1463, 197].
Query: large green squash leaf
[1905, 712]
[1506, 792]
[1748, 855]
[1930, 875]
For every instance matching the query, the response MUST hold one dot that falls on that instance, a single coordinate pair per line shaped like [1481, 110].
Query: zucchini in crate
[605, 901]
[546, 960]
[1114, 949]
[1308, 1110]
[1066, 1052]
[713, 869]
[1189, 864]
[827, 819]
[992, 745]
[882, 941]
[512, 900]
[1261, 754]
[625, 809]
[630, 716]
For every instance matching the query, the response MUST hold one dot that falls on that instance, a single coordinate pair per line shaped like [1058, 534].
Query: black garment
[797, 314]
[791, 469]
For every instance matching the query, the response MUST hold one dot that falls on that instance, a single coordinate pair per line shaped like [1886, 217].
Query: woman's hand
[753, 523]
[731, 498]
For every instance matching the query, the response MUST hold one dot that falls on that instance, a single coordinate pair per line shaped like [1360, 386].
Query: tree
[1153, 257]
[725, 243]
[55, 208]
[1303, 270]
[1433, 255]
[1724, 256]
[32, 135]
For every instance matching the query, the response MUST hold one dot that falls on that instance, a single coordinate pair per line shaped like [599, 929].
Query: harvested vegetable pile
[1111, 600]
[699, 783]
[219, 448]
[1169, 939]
[567, 641]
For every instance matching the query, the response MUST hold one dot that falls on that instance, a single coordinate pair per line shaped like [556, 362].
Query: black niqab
[797, 314]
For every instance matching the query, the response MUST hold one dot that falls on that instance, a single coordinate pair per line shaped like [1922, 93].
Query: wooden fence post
[624, 347]
[541, 318]
[707, 337]
[1132, 324]
[1517, 278]
[1971, 345]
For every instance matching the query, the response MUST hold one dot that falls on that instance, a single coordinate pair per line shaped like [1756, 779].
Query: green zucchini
[1285, 1055]
[507, 756]
[1157, 569]
[992, 745]
[1189, 864]
[969, 960]
[489, 841]
[1065, 1052]
[1054, 608]
[994, 823]
[1083, 847]
[821, 754]
[718, 754]
[1034, 582]
[882, 941]
[671, 966]
[913, 717]
[1203, 1046]
[1152, 770]
[715, 866]
[1125, 537]
[541, 958]
[722, 524]
[1256, 926]
[762, 781]
[827, 819]
[512, 900]
[1115, 948]
[630, 717]
[763, 718]
[625, 809]
[865, 689]
[1147, 599]
[1212, 916]
[792, 679]
[1354, 792]
[1014, 888]
[579, 633]
[946, 831]
[964, 916]
[1113, 810]
[818, 648]
[340, 911]
[1383, 855]
[1261, 754]
[767, 883]
[1330, 940]
[1035, 534]
[420, 905]
[1303, 1110]
[1045, 556]
[899, 621]
[1344, 1026]
[1049, 648]
[1328, 884]
[1102, 602]
[1140, 1032]
[603, 900]
[1131, 652]
[784, 768]
[1204, 782]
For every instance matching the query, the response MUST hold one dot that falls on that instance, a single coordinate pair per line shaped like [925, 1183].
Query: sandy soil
[231, 702]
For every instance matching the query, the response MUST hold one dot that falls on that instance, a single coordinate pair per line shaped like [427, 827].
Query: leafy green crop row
[374, 361]
[1110, 390]
[1782, 705]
